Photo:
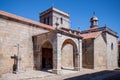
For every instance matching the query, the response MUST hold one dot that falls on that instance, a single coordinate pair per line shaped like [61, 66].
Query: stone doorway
[47, 62]
[47, 56]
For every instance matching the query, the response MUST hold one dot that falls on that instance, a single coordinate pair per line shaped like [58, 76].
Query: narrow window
[85, 45]
[44, 20]
[61, 20]
[48, 20]
[111, 46]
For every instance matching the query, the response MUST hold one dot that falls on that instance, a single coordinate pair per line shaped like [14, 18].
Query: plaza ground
[85, 74]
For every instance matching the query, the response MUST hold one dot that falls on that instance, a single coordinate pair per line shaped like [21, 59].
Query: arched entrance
[68, 54]
[47, 55]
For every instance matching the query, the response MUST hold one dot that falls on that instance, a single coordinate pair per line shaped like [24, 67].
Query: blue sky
[107, 11]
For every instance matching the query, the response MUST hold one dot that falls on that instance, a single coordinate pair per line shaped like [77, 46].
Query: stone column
[77, 62]
[78, 59]
[80, 53]
[57, 56]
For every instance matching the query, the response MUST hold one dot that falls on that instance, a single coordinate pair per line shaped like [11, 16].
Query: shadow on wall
[102, 75]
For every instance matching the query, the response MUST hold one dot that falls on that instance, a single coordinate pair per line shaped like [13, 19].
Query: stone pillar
[80, 53]
[57, 56]
[77, 62]
[78, 58]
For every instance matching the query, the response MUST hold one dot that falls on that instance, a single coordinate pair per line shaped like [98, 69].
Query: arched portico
[64, 51]
[69, 55]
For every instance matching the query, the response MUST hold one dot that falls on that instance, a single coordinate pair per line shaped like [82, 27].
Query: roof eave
[13, 17]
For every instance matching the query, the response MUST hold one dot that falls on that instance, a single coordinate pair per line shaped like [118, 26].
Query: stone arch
[68, 54]
[46, 55]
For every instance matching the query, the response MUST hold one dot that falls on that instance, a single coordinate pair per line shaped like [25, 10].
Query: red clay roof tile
[91, 35]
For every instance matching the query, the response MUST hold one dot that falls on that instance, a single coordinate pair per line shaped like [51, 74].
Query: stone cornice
[68, 34]
[54, 10]
[103, 29]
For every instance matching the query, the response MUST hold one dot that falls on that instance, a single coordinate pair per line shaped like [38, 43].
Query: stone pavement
[85, 74]
[26, 75]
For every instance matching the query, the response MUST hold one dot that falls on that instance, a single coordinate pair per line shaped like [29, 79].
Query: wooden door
[47, 55]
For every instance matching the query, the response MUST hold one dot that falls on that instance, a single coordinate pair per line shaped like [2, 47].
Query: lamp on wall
[57, 24]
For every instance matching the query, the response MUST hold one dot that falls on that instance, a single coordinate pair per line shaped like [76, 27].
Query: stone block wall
[88, 53]
[65, 22]
[11, 34]
[67, 55]
[119, 54]
[112, 51]
[99, 53]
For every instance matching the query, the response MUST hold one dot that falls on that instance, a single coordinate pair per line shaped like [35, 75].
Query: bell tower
[55, 18]
[94, 22]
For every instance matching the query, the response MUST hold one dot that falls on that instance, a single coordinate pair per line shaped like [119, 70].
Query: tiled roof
[103, 29]
[91, 35]
[24, 20]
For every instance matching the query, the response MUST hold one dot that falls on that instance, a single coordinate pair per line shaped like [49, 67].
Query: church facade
[51, 44]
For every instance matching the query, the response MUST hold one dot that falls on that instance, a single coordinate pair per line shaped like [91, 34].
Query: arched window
[112, 46]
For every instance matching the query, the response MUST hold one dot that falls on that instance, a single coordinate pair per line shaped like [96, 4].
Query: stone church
[51, 44]
[99, 46]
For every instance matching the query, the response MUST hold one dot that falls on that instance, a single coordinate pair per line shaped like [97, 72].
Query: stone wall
[99, 53]
[112, 51]
[88, 53]
[66, 22]
[119, 54]
[11, 34]
[67, 56]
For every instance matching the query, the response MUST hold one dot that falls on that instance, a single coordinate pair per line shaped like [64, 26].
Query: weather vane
[78, 28]
[94, 13]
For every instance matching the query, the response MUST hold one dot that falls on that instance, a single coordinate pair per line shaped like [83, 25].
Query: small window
[111, 46]
[61, 20]
[48, 20]
[85, 45]
[44, 20]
